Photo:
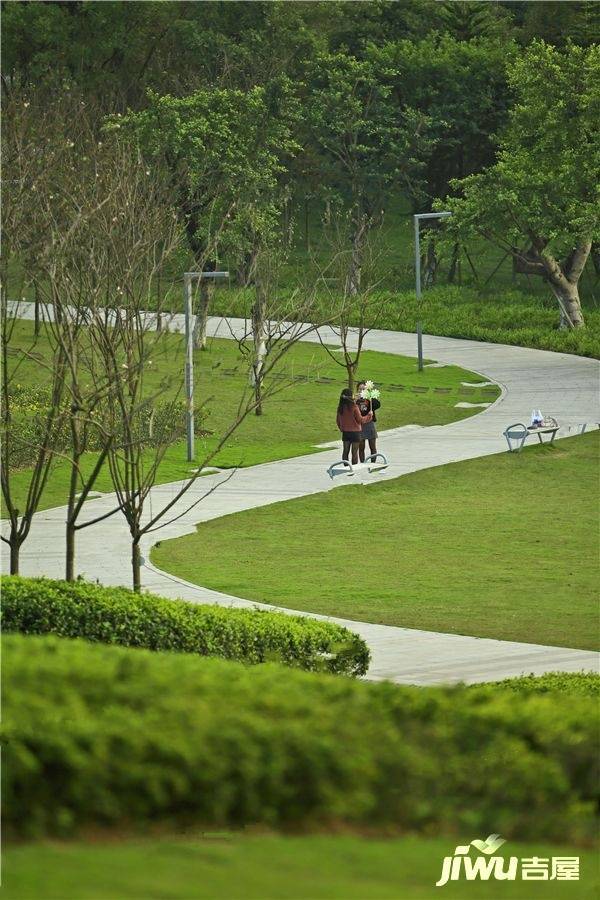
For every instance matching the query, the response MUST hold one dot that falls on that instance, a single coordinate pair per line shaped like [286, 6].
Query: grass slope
[269, 867]
[295, 419]
[505, 546]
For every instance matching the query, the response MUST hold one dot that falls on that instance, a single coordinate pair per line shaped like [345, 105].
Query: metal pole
[417, 220]
[417, 258]
[418, 292]
[189, 365]
[189, 349]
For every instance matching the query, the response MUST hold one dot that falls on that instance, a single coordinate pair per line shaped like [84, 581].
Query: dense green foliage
[539, 201]
[127, 47]
[508, 317]
[289, 104]
[584, 684]
[224, 149]
[157, 422]
[460, 87]
[120, 616]
[109, 735]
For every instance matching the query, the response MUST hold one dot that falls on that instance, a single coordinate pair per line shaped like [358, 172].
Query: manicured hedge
[586, 684]
[98, 735]
[498, 316]
[119, 616]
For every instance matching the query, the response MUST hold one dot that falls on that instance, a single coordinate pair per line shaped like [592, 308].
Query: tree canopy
[540, 199]
[262, 107]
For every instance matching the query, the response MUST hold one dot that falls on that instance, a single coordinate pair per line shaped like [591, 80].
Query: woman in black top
[369, 430]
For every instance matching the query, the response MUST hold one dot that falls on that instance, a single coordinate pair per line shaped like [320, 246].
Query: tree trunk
[564, 283]
[15, 548]
[36, 311]
[567, 294]
[246, 269]
[454, 264]
[306, 233]
[258, 397]
[202, 317]
[354, 275]
[70, 554]
[136, 565]
[76, 454]
[259, 336]
[563, 278]
[351, 370]
[595, 254]
[431, 264]
[287, 230]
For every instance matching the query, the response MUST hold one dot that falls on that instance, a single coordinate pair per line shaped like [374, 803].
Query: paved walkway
[561, 385]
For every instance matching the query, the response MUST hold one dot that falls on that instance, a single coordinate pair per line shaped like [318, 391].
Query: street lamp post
[417, 220]
[188, 277]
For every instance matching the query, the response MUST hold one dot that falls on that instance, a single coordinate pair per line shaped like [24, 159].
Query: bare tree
[277, 319]
[103, 269]
[358, 308]
[28, 440]
[31, 156]
[133, 465]
[134, 462]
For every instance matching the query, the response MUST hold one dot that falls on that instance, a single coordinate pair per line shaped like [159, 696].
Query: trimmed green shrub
[119, 616]
[585, 684]
[112, 736]
[501, 317]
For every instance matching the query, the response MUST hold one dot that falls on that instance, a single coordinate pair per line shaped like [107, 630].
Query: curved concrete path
[560, 384]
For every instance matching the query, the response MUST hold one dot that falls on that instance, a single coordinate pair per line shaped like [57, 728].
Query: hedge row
[499, 316]
[98, 735]
[119, 616]
[585, 684]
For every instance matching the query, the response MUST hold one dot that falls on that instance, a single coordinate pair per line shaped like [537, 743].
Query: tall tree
[366, 146]
[34, 149]
[124, 231]
[225, 150]
[461, 86]
[558, 23]
[467, 20]
[112, 49]
[539, 201]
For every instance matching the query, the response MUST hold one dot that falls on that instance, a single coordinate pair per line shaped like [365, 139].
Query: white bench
[345, 467]
[517, 434]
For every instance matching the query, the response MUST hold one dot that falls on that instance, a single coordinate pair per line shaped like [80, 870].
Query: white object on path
[464, 405]
[373, 463]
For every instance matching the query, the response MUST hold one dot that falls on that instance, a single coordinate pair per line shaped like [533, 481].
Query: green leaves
[545, 179]
[225, 148]
[119, 616]
[99, 735]
[365, 141]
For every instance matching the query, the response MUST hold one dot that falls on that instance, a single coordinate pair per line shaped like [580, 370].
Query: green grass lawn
[505, 546]
[295, 419]
[270, 867]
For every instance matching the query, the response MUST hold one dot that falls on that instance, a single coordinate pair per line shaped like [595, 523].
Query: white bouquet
[369, 391]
